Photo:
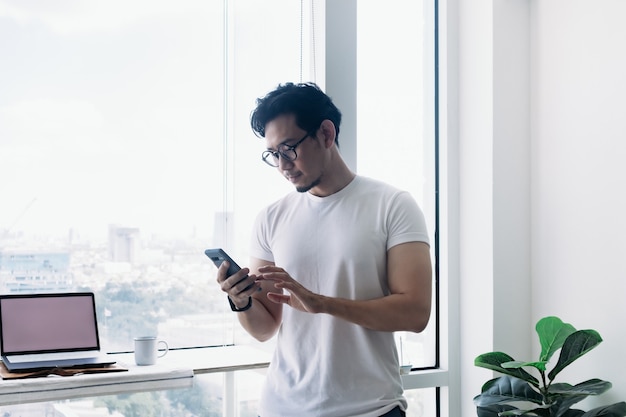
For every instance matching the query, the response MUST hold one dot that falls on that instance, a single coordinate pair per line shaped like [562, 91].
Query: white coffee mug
[147, 350]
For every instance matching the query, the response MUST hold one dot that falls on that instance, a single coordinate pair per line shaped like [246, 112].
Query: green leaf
[614, 410]
[541, 366]
[535, 412]
[563, 396]
[562, 408]
[494, 361]
[566, 395]
[572, 413]
[591, 387]
[552, 334]
[542, 411]
[493, 410]
[575, 346]
[507, 389]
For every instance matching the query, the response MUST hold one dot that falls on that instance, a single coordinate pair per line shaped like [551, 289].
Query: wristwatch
[234, 307]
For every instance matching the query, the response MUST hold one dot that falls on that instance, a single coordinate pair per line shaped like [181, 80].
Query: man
[336, 267]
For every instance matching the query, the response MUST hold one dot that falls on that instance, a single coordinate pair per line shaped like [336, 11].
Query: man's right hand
[239, 287]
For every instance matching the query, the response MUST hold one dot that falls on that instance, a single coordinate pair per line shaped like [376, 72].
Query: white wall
[494, 182]
[542, 172]
[578, 175]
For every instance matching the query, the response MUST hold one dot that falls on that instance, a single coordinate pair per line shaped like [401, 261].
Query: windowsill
[425, 379]
[175, 370]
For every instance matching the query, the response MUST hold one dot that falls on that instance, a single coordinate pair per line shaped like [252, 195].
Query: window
[125, 146]
[111, 121]
[124, 133]
[395, 126]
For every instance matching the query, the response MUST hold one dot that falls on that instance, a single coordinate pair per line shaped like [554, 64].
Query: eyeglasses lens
[286, 153]
[270, 158]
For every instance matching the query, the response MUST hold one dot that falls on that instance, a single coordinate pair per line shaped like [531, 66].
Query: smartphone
[218, 256]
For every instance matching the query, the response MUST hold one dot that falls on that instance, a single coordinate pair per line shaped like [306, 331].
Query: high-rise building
[123, 243]
[35, 272]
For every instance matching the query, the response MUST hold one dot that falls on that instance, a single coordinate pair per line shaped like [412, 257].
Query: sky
[112, 112]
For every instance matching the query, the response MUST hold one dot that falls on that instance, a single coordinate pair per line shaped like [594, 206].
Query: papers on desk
[6, 374]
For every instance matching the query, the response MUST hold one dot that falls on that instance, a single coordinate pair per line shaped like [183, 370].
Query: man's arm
[409, 273]
[263, 318]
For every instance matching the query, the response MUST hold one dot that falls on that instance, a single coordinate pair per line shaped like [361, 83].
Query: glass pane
[266, 52]
[126, 139]
[111, 117]
[421, 402]
[261, 60]
[248, 392]
[203, 399]
[395, 123]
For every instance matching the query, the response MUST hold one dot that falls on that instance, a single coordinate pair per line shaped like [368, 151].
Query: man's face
[305, 172]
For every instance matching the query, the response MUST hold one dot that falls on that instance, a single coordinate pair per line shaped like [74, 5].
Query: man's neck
[334, 182]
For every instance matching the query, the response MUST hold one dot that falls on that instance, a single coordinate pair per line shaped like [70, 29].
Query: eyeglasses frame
[279, 153]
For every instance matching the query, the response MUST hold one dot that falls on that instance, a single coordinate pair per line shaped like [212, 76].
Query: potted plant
[535, 393]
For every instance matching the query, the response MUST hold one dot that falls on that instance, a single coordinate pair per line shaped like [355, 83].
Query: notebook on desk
[40, 331]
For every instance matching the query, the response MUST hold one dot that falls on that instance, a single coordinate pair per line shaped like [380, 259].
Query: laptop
[43, 331]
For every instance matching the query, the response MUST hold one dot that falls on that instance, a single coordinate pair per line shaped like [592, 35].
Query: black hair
[306, 101]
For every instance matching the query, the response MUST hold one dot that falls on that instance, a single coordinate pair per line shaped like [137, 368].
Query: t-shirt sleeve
[259, 245]
[406, 222]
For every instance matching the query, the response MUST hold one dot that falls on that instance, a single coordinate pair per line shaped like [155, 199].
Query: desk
[174, 370]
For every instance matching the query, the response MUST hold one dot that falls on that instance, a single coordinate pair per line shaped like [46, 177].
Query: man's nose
[284, 163]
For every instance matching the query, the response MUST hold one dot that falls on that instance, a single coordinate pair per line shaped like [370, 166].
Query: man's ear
[328, 131]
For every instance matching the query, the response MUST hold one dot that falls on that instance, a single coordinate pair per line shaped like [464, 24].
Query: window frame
[340, 34]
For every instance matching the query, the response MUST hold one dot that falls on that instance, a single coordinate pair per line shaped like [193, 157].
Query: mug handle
[165, 348]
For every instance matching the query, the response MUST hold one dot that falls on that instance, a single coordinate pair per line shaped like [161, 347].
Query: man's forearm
[396, 312]
[258, 321]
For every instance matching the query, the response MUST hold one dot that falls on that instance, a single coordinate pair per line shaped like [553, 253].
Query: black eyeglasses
[287, 152]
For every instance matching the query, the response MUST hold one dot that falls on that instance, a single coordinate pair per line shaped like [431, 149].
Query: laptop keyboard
[39, 357]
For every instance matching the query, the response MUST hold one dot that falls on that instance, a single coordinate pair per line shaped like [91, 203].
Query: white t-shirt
[335, 246]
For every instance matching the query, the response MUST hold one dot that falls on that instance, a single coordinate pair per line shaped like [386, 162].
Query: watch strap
[238, 310]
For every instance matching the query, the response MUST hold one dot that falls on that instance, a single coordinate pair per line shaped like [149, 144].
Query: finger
[271, 268]
[270, 277]
[278, 298]
[221, 272]
[230, 284]
[247, 286]
[238, 276]
[279, 274]
[240, 285]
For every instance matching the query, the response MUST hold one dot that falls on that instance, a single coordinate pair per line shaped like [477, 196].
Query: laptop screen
[38, 323]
